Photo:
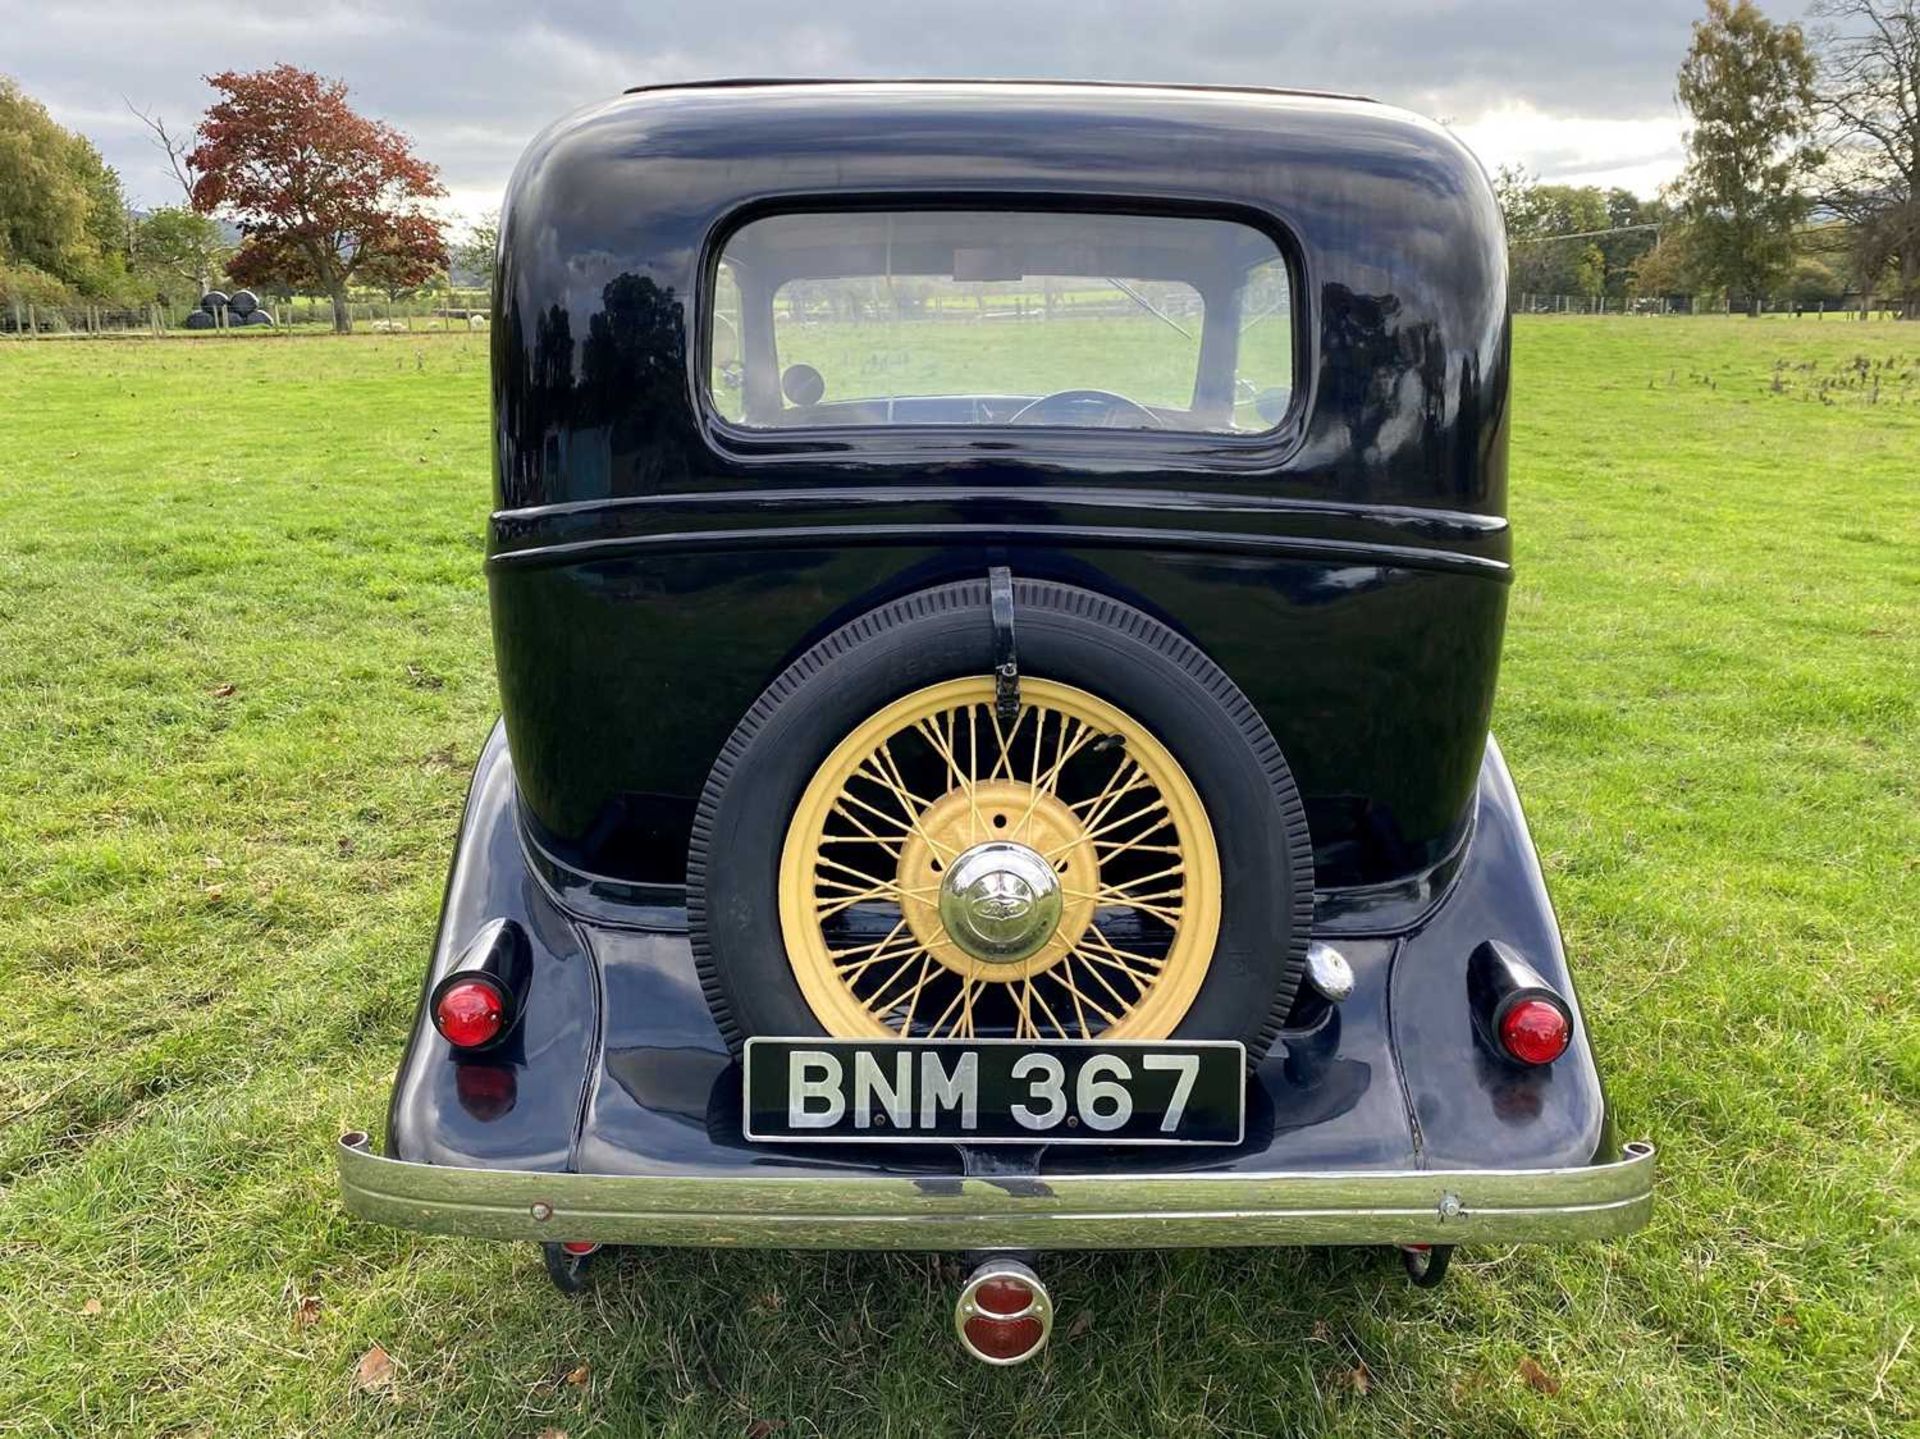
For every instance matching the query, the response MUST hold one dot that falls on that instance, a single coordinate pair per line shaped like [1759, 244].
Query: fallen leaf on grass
[307, 1312]
[221, 692]
[214, 892]
[551, 1434]
[578, 1377]
[374, 1373]
[1538, 1378]
[761, 1428]
[1082, 1322]
[1358, 1379]
[90, 1308]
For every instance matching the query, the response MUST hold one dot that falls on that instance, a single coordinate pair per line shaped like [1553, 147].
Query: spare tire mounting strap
[1006, 659]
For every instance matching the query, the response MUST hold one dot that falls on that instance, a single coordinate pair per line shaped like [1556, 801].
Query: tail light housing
[1004, 1313]
[1518, 1015]
[477, 1003]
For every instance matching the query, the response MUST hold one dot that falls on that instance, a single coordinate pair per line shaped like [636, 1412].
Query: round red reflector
[470, 1013]
[1005, 1339]
[1004, 1294]
[579, 1247]
[1535, 1031]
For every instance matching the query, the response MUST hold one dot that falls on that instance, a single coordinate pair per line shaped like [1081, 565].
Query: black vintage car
[997, 591]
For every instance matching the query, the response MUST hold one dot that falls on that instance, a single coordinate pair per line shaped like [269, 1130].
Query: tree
[473, 256]
[322, 195]
[62, 213]
[1869, 110]
[1748, 84]
[1558, 235]
[177, 148]
[1667, 268]
[177, 250]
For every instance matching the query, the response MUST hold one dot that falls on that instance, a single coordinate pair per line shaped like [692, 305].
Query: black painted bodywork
[652, 569]
[616, 1066]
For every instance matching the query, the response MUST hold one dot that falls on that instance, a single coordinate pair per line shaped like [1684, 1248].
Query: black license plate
[995, 1091]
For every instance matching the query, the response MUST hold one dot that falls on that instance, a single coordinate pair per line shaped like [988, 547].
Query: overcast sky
[1578, 92]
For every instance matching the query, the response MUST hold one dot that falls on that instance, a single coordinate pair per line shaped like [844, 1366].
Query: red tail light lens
[1004, 1294]
[470, 1013]
[1004, 1340]
[1535, 1031]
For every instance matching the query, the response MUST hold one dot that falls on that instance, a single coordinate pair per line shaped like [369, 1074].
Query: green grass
[244, 667]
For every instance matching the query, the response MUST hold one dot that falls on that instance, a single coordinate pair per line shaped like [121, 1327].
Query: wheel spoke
[1024, 1027]
[913, 820]
[1098, 936]
[1158, 806]
[1127, 775]
[943, 746]
[860, 874]
[1047, 1010]
[839, 954]
[1049, 782]
[963, 1004]
[851, 972]
[1004, 764]
[1062, 973]
[1108, 849]
[866, 835]
[1092, 964]
[873, 889]
[927, 967]
[883, 999]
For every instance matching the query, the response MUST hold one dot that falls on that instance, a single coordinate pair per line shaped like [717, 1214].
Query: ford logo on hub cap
[1000, 902]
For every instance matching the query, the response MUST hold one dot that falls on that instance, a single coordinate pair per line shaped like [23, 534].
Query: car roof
[739, 82]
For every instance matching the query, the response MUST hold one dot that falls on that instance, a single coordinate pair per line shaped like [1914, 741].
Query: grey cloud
[473, 81]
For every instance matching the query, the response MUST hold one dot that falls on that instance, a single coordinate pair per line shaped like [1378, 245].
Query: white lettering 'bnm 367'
[817, 1098]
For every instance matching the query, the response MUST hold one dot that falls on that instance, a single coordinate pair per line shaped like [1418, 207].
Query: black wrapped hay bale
[243, 303]
[199, 320]
[213, 301]
[258, 316]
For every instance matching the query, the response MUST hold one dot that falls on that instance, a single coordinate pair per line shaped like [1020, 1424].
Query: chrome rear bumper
[1075, 1211]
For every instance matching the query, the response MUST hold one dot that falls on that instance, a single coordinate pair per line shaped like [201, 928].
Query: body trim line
[1062, 536]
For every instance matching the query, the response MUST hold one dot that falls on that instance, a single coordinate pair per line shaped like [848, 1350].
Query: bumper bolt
[541, 1210]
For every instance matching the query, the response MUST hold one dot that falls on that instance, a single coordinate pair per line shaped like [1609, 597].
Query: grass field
[244, 668]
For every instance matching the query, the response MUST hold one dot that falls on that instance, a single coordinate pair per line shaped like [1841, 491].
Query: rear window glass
[1001, 318]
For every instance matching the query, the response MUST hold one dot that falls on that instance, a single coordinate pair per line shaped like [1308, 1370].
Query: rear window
[1001, 318]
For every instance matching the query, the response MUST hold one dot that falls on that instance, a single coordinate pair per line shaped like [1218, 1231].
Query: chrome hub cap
[1000, 902]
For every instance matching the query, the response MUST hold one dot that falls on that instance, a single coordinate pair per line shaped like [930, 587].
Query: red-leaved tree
[320, 193]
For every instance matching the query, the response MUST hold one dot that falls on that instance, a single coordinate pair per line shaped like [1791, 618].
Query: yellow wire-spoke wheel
[946, 874]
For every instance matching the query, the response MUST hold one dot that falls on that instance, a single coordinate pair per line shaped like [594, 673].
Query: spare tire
[878, 854]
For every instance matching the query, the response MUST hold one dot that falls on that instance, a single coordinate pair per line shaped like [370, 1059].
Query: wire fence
[302, 313]
[1844, 307]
